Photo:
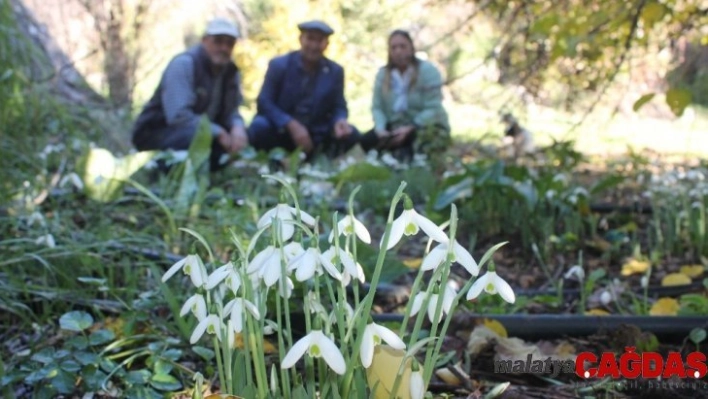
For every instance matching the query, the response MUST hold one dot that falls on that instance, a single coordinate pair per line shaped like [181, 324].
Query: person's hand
[239, 138]
[342, 129]
[226, 140]
[300, 135]
[399, 135]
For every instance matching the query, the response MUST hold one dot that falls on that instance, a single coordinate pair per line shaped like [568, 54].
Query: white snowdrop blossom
[317, 345]
[211, 325]
[348, 312]
[266, 264]
[286, 215]
[409, 223]
[192, 266]
[310, 262]
[447, 299]
[349, 266]
[417, 385]
[228, 273]
[292, 250]
[577, 272]
[492, 284]
[460, 255]
[47, 240]
[197, 305]
[236, 308]
[347, 277]
[350, 224]
[606, 297]
[374, 334]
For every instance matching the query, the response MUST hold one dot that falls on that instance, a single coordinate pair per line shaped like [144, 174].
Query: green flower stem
[285, 378]
[309, 364]
[409, 305]
[353, 242]
[217, 349]
[369, 298]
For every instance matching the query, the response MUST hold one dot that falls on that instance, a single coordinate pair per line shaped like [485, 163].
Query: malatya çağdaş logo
[628, 365]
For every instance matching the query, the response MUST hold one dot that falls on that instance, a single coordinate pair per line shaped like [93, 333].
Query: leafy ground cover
[84, 310]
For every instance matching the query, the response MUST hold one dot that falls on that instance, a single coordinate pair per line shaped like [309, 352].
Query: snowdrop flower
[72, 178]
[348, 225]
[211, 325]
[285, 287]
[311, 262]
[577, 272]
[36, 217]
[226, 272]
[286, 215]
[347, 276]
[47, 240]
[191, 265]
[491, 283]
[350, 267]
[348, 312]
[197, 305]
[644, 281]
[447, 298]
[317, 345]
[410, 222]
[236, 308]
[416, 384]
[373, 335]
[266, 265]
[460, 255]
[605, 298]
[270, 327]
[292, 250]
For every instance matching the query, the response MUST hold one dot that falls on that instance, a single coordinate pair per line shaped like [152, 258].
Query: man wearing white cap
[302, 104]
[200, 81]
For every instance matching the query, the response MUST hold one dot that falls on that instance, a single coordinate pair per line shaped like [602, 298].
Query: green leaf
[142, 392]
[678, 100]
[104, 175]
[75, 321]
[497, 390]
[488, 255]
[165, 382]
[608, 182]
[361, 172]
[172, 354]
[70, 366]
[44, 356]
[87, 358]
[77, 342]
[206, 353]
[458, 191]
[101, 337]
[162, 367]
[93, 377]
[596, 275]
[138, 377]
[92, 281]
[61, 353]
[63, 382]
[300, 393]
[642, 101]
[697, 335]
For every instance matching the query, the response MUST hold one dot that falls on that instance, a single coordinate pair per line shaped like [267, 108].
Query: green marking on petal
[490, 288]
[211, 329]
[187, 269]
[349, 229]
[377, 340]
[410, 229]
[315, 351]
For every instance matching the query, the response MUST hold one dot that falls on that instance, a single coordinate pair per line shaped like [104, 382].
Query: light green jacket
[424, 101]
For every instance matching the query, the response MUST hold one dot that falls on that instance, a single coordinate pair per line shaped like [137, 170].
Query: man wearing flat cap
[202, 81]
[301, 103]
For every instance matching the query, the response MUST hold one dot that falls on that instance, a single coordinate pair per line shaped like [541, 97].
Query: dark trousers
[265, 136]
[177, 137]
[428, 140]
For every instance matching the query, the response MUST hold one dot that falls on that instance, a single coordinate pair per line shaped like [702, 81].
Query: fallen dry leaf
[496, 326]
[665, 307]
[692, 271]
[674, 279]
[634, 266]
[384, 368]
[597, 312]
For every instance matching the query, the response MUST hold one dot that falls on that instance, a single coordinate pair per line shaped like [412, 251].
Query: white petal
[330, 268]
[430, 228]
[417, 385]
[272, 270]
[304, 216]
[187, 307]
[252, 309]
[417, 303]
[211, 320]
[349, 264]
[504, 289]
[266, 219]
[257, 261]
[231, 334]
[331, 354]
[463, 257]
[198, 273]
[448, 298]
[237, 315]
[293, 250]
[219, 275]
[434, 258]
[234, 281]
[397, 228]
[432, 305]
[285, 287]
[296, 352]
[172, 270]
[362, 232]
[306, 269]
[366, 351]
[477, 287]
[390, 337]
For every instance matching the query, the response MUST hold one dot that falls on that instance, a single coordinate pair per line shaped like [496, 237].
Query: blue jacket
[282, 89]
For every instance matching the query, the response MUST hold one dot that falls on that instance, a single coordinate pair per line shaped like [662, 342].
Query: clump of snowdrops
[342, 342]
